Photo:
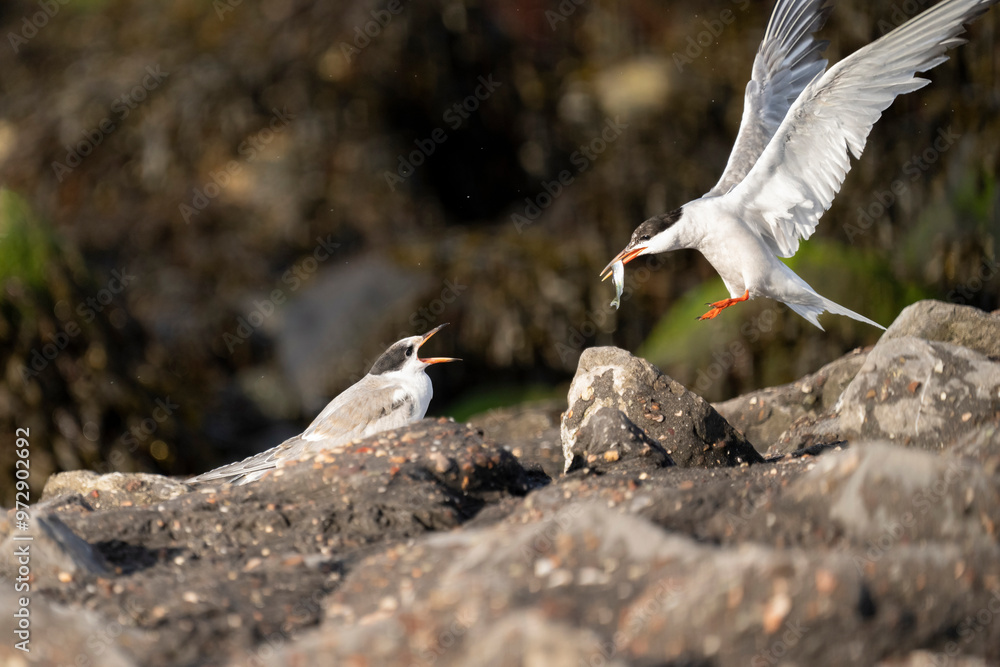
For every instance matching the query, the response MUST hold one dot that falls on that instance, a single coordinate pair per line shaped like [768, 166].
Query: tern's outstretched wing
[787, 60]
[796, 178]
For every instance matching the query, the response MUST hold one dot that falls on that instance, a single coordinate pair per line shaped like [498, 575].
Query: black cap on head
[654, 226]
[396, 356]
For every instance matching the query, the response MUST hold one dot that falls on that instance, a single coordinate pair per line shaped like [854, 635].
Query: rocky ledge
[847, 518]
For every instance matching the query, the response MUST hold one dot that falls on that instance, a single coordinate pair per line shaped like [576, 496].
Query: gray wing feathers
[356, 413]
[353, 412]
[796, 178]
[243, 471]
[787, 60]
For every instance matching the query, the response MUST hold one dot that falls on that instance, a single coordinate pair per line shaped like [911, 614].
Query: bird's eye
[409, 351]
[644, 237]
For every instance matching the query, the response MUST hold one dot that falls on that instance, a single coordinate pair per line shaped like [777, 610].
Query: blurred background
[215, 215]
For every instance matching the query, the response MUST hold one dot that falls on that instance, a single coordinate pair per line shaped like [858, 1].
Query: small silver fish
[618, 274]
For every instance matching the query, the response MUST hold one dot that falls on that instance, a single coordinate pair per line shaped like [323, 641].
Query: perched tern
[396, 392]
[791, 153]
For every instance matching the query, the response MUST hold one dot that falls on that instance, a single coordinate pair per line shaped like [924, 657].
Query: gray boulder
[764, 415]
[609, 438]
[114, 489]
[913, 392]
[949, 323]
[920, 393]
[53, 553]
[683, 423]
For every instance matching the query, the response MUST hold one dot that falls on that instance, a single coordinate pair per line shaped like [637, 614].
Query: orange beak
[625, 256]
[434, 360]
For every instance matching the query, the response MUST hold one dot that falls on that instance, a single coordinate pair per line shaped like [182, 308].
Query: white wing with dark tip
[797, 176]
[787, 60]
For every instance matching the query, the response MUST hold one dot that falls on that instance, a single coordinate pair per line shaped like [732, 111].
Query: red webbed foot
[719, 306]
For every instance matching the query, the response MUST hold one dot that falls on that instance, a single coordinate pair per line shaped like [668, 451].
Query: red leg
[719, 306]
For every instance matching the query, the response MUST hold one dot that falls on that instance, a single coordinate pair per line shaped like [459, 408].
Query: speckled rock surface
[919, 393]
[610, 438]
[683, 423]
[443, 544]
[764, 415]
[221, 567]
[949, 323]
[114, 489]
[530, 432]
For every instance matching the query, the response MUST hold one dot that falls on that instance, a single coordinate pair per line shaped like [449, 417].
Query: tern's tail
[811, 311]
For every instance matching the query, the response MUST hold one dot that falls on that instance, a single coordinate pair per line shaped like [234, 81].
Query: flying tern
[790, 158]
[396, 392]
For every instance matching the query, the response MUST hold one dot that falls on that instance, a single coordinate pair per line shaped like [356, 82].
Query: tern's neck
[415, 381]
[685, 233]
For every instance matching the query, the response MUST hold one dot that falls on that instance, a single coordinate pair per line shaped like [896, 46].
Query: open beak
[434, 360]
[625, 256]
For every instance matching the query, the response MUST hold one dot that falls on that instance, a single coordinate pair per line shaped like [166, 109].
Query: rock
[878, 496]
[65, 635]
[686, 426]
[982, 446]
[530, 431]
[609, 438]
[948, 323]
[212, 569]
[920, 393]
[113, 489]
[54, 554]
[625, 590]
[433, 544]
[764, 415]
